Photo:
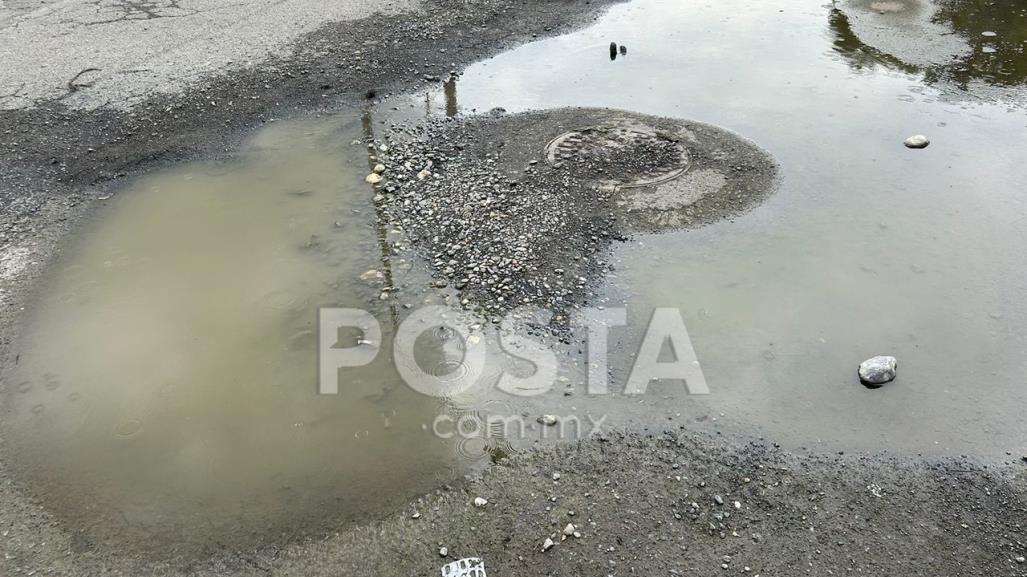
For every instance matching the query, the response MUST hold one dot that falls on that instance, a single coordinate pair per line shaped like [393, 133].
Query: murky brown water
[166, 386]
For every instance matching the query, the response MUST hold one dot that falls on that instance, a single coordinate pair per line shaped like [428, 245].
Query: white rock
[443, 552]
[383, 148]
[548, 420]
[379, 168]
[878, 370]
[548, 544]
[917, 141]
[480, 501]
[569, 529]
[373, 178]
[415, 515]
[423, 174]
[556, 476]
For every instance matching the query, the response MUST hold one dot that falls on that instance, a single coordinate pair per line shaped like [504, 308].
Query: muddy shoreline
[631, 495]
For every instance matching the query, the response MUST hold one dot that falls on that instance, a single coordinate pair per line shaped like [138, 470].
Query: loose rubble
[507, 226]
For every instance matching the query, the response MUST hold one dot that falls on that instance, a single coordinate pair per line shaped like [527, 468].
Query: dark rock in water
[623, 50]
[877, 371]
[370, 94]
[613, 50]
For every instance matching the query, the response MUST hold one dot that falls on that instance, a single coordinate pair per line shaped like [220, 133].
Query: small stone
[738, 505]
[556, 476]
[480, 502]
[917, 141]
[383, 148]
[989, 34]
[379, 168]
[547, 545]
[443, 552]
[548, 420]
[1021, 559]
[878, 370]
[415, 515]
[373, 178]
[569, 529]
[718, 499]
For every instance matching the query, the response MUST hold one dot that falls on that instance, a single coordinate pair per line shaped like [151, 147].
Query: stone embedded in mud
[917, 141]
[878, 370]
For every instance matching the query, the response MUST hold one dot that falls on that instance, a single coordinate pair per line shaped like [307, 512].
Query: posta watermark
[466, 336]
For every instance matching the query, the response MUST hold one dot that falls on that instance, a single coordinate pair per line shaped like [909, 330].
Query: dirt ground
[665, 503]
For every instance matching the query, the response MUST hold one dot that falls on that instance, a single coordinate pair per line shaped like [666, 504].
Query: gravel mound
[516, 210]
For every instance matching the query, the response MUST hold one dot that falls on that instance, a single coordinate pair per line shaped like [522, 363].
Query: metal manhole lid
[599, 143]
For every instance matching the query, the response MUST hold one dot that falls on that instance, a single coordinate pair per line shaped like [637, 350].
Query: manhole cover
[625, 156]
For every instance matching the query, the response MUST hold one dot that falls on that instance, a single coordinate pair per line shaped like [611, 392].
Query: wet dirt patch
[516, 210]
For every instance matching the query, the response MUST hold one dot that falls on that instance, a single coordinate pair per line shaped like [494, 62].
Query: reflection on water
[951, 43]
[867, 248]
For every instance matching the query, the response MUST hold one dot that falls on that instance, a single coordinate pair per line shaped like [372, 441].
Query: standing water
[166, 384]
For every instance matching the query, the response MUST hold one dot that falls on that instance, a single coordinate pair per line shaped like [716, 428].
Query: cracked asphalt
[124, 51]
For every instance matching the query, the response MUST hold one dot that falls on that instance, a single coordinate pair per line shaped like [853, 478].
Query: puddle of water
[867, 248]
[166, 390]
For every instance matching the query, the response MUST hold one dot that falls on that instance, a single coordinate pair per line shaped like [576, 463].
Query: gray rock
[917, 141]
[878, 370]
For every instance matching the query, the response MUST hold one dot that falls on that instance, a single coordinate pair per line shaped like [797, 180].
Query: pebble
[548, 420]
[373, 178]
[569, 530]
[443, 552]
[548, 544]
[480, 502]
[878, 370]
[379, 168]
[917, 141]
